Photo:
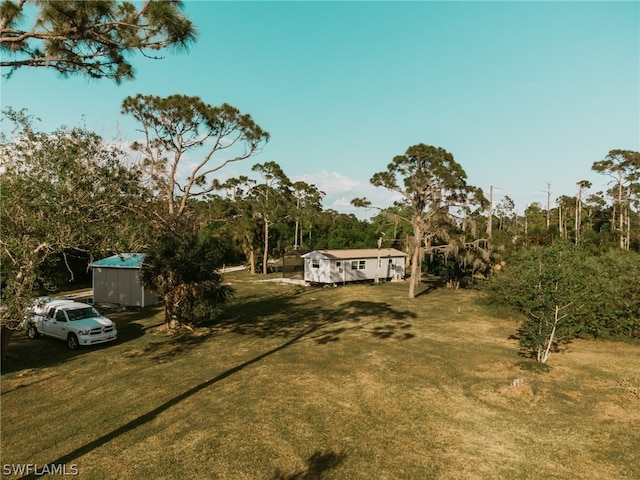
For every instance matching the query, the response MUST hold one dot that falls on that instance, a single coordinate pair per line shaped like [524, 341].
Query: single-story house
[116, 280]
[341, 266]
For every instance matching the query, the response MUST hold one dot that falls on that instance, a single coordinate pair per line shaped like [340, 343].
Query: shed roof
[122, 260]
[355, 253]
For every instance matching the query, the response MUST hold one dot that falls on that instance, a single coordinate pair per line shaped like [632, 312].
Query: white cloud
[340, 190]
[330, 183]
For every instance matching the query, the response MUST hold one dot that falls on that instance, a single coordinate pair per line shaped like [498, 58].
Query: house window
[338, 264]
[354, 264]
[362, 265]
[315, 263]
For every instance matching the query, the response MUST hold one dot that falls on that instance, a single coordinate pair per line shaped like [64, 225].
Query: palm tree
[182, 268]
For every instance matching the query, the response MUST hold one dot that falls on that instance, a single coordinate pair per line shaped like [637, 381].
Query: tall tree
[272, 199]
[536, 230]
[179, 125]
[91, 38]
[623, 167]
[62, 191]
[431, 182]
[308, 205]
[240, 217]
[596, 205]
[566, 206]
[176, 127]
[582, 186]
[505, 209]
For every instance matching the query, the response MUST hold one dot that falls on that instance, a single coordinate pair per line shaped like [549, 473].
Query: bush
[182, 268]
[566, 292]
[617, 310]
[552, 286]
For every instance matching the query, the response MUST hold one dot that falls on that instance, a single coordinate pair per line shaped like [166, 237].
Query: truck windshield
[82, 313]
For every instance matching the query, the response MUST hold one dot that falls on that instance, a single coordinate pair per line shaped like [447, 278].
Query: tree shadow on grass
[32, 354]
[287, 315]
[28, 383]
[167, 349]
[133, 323]
[26, 353]
[274, 317]
[152, 414]
[429, 285]
[317, 465]
[397, 330]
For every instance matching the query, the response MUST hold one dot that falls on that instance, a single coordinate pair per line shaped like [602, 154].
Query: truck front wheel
[32, 332]
[72, 341]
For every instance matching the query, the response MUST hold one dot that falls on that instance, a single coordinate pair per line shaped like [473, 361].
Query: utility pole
[490, 219]
[578, 212]
[378, 264]
[548, 204]
[560, 222]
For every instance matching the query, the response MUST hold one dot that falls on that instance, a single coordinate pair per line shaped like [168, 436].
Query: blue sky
[521, 93]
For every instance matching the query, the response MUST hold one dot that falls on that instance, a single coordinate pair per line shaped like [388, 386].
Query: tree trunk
[547, 350]
[252, 261]
[629, 228]
[265, 255]
[295, 235]
[621, 214]
[415, 259]
[578, 225]
[5, 337]
[627, 245]
[415, 271]
[170, 319]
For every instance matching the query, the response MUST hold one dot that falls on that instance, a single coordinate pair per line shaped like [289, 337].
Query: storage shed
[341, 266]
[116, 280]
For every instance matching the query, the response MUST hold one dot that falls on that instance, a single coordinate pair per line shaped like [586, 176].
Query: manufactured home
[116, 280]
[341, 266]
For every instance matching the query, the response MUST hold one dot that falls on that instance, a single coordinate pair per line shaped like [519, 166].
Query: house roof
[122, 260]
[356, 253]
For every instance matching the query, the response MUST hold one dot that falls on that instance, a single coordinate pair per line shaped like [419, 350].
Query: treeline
[70, 197]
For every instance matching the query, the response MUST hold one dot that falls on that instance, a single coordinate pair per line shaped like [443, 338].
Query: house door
[390, 268]
[338, 274]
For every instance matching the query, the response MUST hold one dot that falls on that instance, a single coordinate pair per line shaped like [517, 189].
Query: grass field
[354, 382]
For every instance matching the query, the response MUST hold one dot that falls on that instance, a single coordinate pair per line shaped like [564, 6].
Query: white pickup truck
[76, 323]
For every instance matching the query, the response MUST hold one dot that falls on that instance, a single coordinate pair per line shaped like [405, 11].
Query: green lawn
[354, 382]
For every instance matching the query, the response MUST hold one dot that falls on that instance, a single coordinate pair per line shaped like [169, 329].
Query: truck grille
[101, 330]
